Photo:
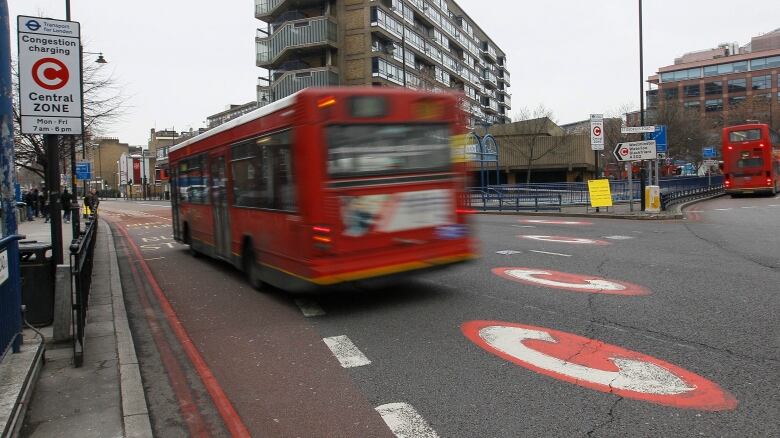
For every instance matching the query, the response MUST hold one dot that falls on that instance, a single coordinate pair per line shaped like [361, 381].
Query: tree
[688, 130]
[103, 104]
[534, 125]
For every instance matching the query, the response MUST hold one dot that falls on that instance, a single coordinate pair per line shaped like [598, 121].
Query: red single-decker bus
[327, 186]
[751, 159]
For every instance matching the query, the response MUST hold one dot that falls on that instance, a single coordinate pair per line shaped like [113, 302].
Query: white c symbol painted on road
[561, 239]
[530, 275]
[632, 375]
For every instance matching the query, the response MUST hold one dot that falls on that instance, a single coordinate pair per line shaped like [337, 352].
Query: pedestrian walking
[36, 204]
[28, 201]
[65, 200]
[94, 200]
[43, 204]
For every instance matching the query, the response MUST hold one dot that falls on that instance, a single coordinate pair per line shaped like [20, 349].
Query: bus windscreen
[359, 150]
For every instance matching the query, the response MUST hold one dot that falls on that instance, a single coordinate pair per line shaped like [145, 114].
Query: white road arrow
[595, 284]
[632, 375]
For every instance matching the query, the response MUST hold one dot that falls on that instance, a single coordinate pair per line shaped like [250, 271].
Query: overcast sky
[179, 61]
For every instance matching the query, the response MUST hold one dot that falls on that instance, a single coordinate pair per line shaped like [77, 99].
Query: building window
[715, 87]
[711, 105]
[692, 90]
[736, 100]
[693, 105]
[670, 93]
[761, 82]
[383, 69]
[737, 85]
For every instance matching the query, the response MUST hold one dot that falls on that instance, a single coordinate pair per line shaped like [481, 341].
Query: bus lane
[247, 362]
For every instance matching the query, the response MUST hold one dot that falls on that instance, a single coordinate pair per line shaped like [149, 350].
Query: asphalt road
[680, 338]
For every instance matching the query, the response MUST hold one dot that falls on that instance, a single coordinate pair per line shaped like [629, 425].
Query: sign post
[659, 135]
[596, 141]
[50, 97]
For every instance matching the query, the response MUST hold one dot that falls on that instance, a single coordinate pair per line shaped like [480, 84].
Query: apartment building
[420, 44]
[727, 79]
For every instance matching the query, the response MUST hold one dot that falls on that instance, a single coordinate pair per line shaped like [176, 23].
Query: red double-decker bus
[327, 186]
[751, 159]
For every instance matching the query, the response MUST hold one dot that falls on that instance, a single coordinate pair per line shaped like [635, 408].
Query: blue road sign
[709, 152]
[659, 136]
[83, 171]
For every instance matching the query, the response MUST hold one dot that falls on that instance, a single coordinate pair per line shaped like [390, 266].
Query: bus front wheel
[250, 267]
[188, 241]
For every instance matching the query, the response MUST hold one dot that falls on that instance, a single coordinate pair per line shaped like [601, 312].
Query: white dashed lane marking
[309, 308]
[723, 209]
[549, 253]
[346, 352]
[404, 421]
[621, 237]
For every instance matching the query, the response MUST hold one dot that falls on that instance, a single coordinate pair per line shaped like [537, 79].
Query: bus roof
[248, 117]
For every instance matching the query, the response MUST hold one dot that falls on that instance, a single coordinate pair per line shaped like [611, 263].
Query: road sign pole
[630, 167]
[53, 183]
[642, 177]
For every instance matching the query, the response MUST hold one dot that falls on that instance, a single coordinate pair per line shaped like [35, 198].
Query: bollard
[63, 305]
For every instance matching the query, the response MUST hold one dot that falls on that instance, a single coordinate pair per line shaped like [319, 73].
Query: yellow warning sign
[600, 194]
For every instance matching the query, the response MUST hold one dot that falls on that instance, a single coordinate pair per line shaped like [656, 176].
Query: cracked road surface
[713, 310]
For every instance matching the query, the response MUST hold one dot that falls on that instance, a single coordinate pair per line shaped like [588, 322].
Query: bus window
[263, 173]
[746, 135]
[750, 162]
[357, 150]
[193, 177]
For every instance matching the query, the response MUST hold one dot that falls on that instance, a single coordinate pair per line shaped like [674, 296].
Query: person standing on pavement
[65, 200]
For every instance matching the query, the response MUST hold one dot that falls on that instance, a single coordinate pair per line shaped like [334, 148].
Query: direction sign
[49, 75]
[709, 152]
[635, 151]
[594, 364]
[83, 171]
[659, 135]
[637, 129]
[597, 132]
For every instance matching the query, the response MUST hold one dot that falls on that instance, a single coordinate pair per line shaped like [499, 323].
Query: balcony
[268, 10]
[489, 78]
[506, 101]
[503, 76]
[311, 33]
[290, 82]
[489, 52]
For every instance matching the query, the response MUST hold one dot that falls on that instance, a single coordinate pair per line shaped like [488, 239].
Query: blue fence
[555, 196]
[10, 298]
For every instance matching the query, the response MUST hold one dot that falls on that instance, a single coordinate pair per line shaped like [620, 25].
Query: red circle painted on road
[593, 364]
[554, 222]
[50, 73]
[572, 282]
[564, 239]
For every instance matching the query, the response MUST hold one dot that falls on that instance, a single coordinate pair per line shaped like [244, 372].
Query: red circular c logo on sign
[50, 73]
[597, 131]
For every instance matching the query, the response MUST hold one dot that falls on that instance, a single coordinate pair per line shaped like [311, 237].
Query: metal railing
[81, 256]
[293, 81]
[10, 297]
[677, 190]
[552, 196]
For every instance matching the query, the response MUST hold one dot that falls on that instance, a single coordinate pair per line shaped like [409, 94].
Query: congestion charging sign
[49, 76]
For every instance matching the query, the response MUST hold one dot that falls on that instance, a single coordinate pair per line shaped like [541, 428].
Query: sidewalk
[104, 397]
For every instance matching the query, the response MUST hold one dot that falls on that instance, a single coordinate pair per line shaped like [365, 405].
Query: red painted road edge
[592, 353]
[226, 410]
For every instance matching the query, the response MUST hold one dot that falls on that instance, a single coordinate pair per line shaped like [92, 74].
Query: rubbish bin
[37, 271]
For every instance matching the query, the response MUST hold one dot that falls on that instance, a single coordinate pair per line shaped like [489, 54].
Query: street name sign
[597, 132]
[635, 151]
[637, 129]
[49, 75]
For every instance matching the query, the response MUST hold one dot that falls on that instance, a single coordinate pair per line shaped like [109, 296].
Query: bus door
[219, 202]
[174, 180]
